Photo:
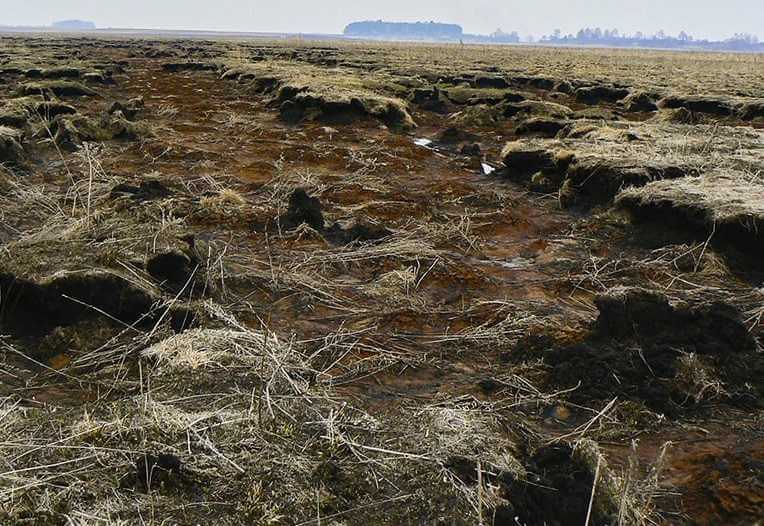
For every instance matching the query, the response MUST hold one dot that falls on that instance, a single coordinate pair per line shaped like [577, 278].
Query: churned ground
[255, 282]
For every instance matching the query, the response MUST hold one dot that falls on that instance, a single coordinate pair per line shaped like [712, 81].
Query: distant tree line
[62, 25]
[423, 31]
[79, 25]
[584, 37]
[613, 38]
[501, 36]
[403, 30]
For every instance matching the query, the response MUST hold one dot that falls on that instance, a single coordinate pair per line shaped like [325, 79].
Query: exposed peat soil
[603, 356]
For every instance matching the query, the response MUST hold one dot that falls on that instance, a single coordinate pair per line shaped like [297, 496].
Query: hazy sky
[702, 18]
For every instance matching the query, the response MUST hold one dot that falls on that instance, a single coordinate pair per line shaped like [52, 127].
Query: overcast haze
[702, 18]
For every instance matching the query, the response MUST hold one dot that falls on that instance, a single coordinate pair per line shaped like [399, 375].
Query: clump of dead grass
[318, 89]
[202, 347]
[717, 198]
[698, 380]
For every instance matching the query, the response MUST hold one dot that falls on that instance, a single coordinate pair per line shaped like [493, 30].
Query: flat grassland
[291, 282]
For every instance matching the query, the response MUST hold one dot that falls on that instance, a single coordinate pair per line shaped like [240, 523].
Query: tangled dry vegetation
[251, 282]
[334, 95]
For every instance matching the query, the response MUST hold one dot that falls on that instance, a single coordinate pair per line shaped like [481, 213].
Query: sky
[702, 18]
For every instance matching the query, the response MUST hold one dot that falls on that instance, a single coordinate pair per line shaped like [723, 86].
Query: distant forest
[80, 25]
[585, 37]
[396, 30]
[613, 38]
[62, 25]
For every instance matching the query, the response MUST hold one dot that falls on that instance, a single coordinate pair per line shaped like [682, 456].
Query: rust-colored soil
[385, 360]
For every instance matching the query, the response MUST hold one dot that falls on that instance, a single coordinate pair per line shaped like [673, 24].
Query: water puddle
[515, 263]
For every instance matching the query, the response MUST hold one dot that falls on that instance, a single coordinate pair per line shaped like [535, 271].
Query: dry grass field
[318, 283]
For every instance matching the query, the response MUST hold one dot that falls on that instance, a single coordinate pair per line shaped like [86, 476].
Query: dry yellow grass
[714, 198]
[328, 89]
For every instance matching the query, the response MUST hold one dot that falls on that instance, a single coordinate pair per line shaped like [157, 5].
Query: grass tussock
[333, 95]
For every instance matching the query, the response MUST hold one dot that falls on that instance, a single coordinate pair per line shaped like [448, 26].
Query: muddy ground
[253, 282]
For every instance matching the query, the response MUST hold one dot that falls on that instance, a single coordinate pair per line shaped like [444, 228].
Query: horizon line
[52, 28]
[148, 31]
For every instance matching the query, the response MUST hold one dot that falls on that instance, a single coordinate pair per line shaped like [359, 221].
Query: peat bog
[260, 282]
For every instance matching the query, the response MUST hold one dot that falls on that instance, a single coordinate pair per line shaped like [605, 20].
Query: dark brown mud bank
[643, 349]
